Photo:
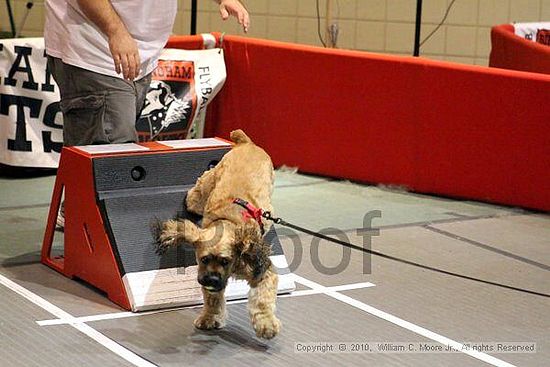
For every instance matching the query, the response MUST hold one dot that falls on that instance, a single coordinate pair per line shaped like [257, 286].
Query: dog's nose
[212, 282]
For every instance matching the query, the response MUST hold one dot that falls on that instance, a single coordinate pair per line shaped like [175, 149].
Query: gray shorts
[97, 109]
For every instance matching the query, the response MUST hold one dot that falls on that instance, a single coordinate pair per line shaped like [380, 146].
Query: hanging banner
[183, 84]
[31, 127]
[31, 123]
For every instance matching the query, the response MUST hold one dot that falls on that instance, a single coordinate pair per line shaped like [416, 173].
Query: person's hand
[236, 9]
[125, 54]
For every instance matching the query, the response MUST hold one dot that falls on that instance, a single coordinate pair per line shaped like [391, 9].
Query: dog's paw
[156, 228]
[164, 243]
[266, 327]
[166, 239]
[167, 236]
[209, 322]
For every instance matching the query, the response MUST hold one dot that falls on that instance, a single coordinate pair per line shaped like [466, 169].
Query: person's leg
[97, 109]
[116, 111]
[142, 87]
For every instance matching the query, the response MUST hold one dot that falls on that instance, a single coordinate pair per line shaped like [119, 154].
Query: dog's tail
[239, 137]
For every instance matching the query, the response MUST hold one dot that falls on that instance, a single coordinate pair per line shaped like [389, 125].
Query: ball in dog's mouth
[212, 283]
[212, 289]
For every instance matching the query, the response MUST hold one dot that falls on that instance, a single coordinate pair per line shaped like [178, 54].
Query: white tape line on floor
[85, 329]
[121, 315]
[402, 323]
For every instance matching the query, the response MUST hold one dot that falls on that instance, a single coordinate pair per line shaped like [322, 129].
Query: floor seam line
[301, 185]
[487, 247]
[413, 224]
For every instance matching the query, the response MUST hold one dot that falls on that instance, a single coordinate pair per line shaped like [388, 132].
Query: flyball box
[112, 195]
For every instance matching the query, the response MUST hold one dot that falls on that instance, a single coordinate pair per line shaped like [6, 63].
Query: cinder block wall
[385, 26]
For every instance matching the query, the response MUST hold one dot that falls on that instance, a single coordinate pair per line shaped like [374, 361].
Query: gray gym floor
[344, 300]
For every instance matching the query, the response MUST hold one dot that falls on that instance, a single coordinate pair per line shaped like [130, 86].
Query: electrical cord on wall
[447, 11]
[332, 30]
[319, 25]
[440, 23]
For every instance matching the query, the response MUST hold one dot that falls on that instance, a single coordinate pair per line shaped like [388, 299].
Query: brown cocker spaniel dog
[230, 242]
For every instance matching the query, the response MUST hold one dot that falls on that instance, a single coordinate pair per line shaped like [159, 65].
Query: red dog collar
[250, 212]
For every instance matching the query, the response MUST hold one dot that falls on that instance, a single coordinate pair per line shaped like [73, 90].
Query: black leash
[268, 216]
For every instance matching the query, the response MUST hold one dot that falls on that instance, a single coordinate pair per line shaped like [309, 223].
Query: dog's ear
[252, 249]
[175, 231]
[245, 236]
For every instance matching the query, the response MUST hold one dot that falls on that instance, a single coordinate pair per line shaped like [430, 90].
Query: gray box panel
[164, 169]
[130, 220]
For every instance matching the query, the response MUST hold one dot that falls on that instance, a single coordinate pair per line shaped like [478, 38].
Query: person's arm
[121, 44]
[236, 9]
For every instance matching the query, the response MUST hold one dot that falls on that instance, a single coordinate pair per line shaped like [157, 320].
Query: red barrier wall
[509, 51]
[435, 127]
[188, 42]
